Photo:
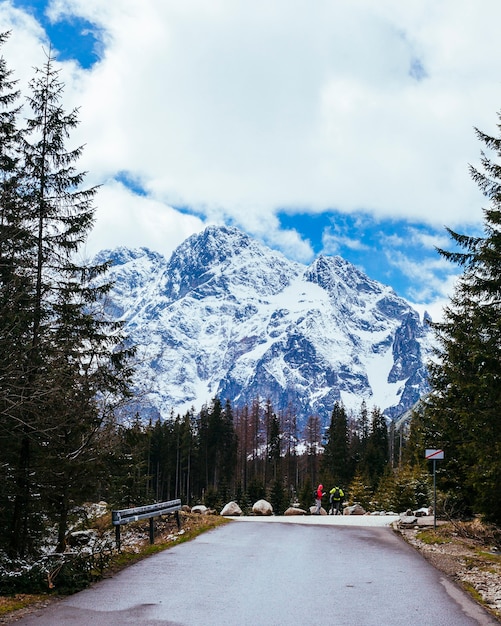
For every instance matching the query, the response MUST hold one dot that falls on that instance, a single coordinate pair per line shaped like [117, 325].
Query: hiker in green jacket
[336, 494]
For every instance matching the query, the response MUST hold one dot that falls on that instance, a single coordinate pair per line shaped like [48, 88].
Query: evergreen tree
[404, 488]
[162, 459]
[256, 490]
[312, 436]
[335, 460]
[359, 435]
[274, 454]
[187, 456]
[278, 497]
[290, 446]
[229, 445]
[73, 372]
[16, 303]
[220, 445]
[360, 491]
[376, 456]
[462, 412]
[306, 499]
[126, 479]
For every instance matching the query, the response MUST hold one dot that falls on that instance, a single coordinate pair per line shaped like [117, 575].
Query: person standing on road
[335, 497]
[318, 499]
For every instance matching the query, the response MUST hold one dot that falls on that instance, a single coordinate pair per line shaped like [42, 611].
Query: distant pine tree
[278, 497]
[336, 456]
[376, 454]
[360, 491]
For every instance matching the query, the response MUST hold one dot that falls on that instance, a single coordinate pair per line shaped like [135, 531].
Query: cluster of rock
[264, 508]
[410, 518]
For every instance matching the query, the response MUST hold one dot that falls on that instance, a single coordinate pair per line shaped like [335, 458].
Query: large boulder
[293, 510]
[262, 507]
[407, 521]
[80, 538]
[314, 508]
[200, 509]
[423, 512]
[231, 510]
[355, 509]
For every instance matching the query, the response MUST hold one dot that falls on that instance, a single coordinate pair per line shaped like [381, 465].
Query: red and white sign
[434, 454]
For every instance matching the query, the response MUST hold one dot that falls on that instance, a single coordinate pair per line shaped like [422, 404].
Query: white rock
[262, 507]
[231, 510]
[293, 510]
[314, 508]
[199, 508]
[355, 509]
[422, 512]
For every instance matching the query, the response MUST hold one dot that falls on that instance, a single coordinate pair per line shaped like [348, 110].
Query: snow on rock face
[228, 316]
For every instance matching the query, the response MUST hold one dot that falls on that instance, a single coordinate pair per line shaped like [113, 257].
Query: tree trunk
[19, 525]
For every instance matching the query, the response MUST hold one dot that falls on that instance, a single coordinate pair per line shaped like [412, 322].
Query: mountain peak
[220, 255]
[228, 316]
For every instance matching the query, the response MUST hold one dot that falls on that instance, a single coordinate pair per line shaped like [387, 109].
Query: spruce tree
[218, 444]
[16, 293]
[74, 371]
[335, 460]
[312, 440]
[462, 412]
[274, 446]
[376, 457]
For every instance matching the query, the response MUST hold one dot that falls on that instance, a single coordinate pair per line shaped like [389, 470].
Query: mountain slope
[228, 316]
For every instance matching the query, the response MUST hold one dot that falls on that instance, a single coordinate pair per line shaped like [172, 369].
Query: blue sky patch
[394, 252]
[73, 38]
[131, 182]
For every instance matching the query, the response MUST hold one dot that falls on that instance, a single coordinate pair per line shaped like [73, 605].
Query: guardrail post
[152, 531]
[117, 536]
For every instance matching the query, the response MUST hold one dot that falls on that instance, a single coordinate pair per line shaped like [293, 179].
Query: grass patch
[430, 536]
[489, 556]
[9, 604]
[473, 593]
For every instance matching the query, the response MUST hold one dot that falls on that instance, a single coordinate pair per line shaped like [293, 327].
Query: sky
[318, 127]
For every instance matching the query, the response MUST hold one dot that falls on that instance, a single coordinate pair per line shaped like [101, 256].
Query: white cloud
[238, 109]
[433, 276]
[160, 227]
[333, 241]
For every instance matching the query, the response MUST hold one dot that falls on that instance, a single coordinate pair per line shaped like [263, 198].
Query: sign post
[434, 455]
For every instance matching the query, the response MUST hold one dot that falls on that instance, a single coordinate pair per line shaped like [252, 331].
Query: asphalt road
[269, 574]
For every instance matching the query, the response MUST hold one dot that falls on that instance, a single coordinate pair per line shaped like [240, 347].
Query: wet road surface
[269, 574]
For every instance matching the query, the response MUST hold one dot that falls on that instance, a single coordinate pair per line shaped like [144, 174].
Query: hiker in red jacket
[318, 499]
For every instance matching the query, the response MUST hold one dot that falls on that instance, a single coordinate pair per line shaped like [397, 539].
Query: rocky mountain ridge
[227, 316]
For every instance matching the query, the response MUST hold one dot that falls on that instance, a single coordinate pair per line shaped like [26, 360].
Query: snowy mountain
[228, 316]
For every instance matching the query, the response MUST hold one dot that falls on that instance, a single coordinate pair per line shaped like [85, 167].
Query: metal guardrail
[124, 516]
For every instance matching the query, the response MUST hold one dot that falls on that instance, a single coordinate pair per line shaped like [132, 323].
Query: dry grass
[18, 601]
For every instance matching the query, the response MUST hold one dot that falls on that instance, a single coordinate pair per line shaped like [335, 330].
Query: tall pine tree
[463, 412]
[335, 460]
[74, 372]
[16, 298]
[376, 457]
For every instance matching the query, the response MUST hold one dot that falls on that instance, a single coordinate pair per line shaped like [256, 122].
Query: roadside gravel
[473, 563]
